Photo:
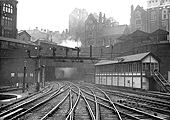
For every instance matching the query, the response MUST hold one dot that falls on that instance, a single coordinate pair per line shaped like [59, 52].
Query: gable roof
[96, 16]
[36, 34]
[139, 8]
[114, 30]
[159, 32]
[138, 33]
[136, 57]
[123, 37]
[91, 16]
[23, 31]
[129, 58]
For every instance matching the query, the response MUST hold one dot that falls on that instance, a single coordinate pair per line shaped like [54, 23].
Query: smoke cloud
[71, 43]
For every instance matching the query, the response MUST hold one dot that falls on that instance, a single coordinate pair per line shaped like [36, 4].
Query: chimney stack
[66, 31]
[132, 8]
[100, 17]
[36, 28]
[104, 19]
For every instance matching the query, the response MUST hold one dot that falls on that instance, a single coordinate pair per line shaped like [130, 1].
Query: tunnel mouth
[7, 96]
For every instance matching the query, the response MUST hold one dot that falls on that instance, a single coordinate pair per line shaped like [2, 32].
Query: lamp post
[39, 69]
[24, 78]
[43, 75]
[111, 51]
[38, 81]
[101, 53]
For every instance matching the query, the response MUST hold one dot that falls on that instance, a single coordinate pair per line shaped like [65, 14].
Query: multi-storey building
[14, 52]
[102, 31]
[23, 35]
[8, 18]
[157, 3]
[156, 16]
[77, 23]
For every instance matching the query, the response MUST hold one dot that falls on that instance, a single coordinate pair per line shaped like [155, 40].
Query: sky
[54, 14]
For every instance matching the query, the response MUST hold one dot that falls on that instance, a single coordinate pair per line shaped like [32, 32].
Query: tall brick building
[8, 18]
[156, 16]
[14, 52]
[77, 23]
[102, 31]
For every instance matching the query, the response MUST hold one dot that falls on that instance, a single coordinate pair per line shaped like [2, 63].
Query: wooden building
[128, 71]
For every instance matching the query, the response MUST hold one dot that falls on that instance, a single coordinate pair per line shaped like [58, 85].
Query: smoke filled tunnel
[67, 73]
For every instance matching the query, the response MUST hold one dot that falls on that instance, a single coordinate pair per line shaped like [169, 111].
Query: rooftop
[123, 59]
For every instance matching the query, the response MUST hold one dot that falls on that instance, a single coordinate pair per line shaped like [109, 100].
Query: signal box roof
[129, 58]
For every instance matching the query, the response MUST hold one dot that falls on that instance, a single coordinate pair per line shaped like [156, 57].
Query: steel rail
[22, 104]
[29, 96]
[120, 105]
[71, 104]
[133, 109]
[96, 105]
[39, 104]
[146, 93]
[120, 118]
[88, 106]
[24, 98]
[30, 101]
[97, 108]
[152, 101]
[111, 108]
[109, 102]
[55, 108]
[74, 106]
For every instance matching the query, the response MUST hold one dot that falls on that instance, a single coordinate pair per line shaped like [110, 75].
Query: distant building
[157, 3]
[8, 18]
[37, 34]
[77, 23]
[102, 31]
[44, 34]
[23, 35]
[155, 17]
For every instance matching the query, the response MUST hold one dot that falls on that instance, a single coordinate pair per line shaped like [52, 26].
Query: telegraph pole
[101, 53]
[90, 51]
[39, 70]
[111, 51]
[43, 75]
[39, 76]
[24, 78]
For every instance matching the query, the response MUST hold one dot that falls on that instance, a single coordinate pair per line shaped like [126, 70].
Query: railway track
[151, 106]
[43, 111]
[129, 112]
[14, 109]
[24, 99]
[157, 95]
[76, 101]
[9, 89]
[150, 103]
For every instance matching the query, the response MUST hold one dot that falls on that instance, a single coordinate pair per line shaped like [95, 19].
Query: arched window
[138, 15]
[138, 19]
[153, 16]
[7, 8]
[165, 14]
